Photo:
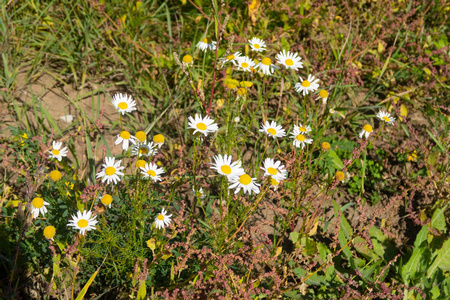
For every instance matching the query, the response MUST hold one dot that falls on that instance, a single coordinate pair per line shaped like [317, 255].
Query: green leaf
[410, 269]
[337, 161]
[294, 237]
[88, 283]
[441, 259]
[421, 237]
[438, 219]
[314, 279]
[142, 291]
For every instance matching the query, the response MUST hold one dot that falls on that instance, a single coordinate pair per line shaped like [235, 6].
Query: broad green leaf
[314, 279]
[410, 269]
[421, 237]
[142, 291]
[337, 161]
[441, 259]
[294, 236]
[438, 219]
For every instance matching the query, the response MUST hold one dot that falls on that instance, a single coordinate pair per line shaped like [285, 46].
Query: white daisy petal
[202, 125]
[57, 152]
[289, 60]
[272, 129]
[83, 221]
[124, 103]
[386, 117]
[151, 170]
[274, 169]
[111, 171]
[257, 45]
[206, 44]
[163, 219]
[299, 137]
[245, 63]
[223, 166]
[244, 182]
[308, 85]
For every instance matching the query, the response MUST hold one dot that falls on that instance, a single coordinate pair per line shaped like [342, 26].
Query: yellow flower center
[187, 59]
[256, 46]
[306, 83]
[160, 217]
[266, 61]
[125, 135]
[83, 223]
[244, 65]
[272, 171]
[230, 57]
[386, 119]
[151, 173]
[225, 169]
[110, 171]
[55, 152]
[49, 232]
[340, 176]
[325, 146]
[141, 136]
[107, 199]
[207, 41]
[158, 139]
[300, 137]
[199, 194]
[143, 150]
[37, 202]
[274, 181]
[201, 126]
[241, 91]
[367, 128]
[272, 131]
[302, 129]
[323, 93]
[123, 105]
[245, 179]
[140, 163]
[289, 62]
[55, 175]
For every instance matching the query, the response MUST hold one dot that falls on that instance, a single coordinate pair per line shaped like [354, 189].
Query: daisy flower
[158, 140]
[57, 152]
[245, 63]
[223, 166]
[55, 175]
[187, 60]
[272, 129]
[233, 58]
[106, 200]
[163, 219]
[49, 232]
[123, 104]
[385, 116]
[38, 206]
[366, 131]
[303, 129]
[274, 169]
[144, 149]
[141, 136]
[244, 182]
[111, 171]
[83, 221]
[266, 66]
[125, 137]
[274, 183]
[202, 125]
[151, 170]
[307, 85]
[289, 60]
[207, 43]
[299, 138]
[199, 193]
[257, 45]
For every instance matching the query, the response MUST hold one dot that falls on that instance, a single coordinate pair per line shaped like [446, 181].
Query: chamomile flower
[55, 175]
[233, 58]
[49, 232]
[57, 152]
[111, 170]
[272, 129]
[244, 182]
[223, 166]
[206, 44]
[83, 221]
[187, 60]
[366, 131]
[158, 140]
[124, 103]
[303, 129]
[199, 193]
[385, 116]
[245, 63]
[257, 45]
[266, 66]
[106, 200]
[38, 206]
[289, 60]
[274, 169]
[300, 138]
[307, 85]
[125, 137]
[202, 125]
[274, 183]
[151, 170]
[144, 149]
[163, 219]
[141, 136]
